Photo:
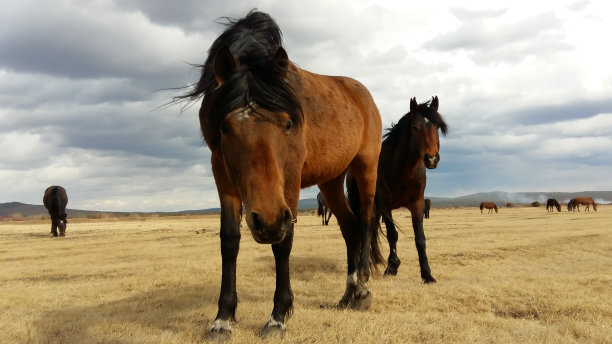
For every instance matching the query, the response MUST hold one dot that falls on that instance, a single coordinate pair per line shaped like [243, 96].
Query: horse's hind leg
[334, 196]
[328, 217]
[54, 228]
[393, 262]
[365, 174]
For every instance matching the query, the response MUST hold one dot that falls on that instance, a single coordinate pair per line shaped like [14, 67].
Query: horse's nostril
[256, 222]
[287, 216]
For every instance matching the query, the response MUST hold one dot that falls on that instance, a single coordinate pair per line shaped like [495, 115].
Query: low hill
[473, 200]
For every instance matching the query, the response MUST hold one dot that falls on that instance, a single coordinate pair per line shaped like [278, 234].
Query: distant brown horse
[551, 204]
[586, 201]
[488, 205]
[427, 208]
[323, 210]
[274, 128]
[409, 148]
[55, 200]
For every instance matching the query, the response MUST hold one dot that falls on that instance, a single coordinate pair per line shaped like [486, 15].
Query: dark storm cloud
[548, 114]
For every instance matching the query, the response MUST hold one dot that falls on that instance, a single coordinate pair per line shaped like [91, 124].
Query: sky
[525, 86]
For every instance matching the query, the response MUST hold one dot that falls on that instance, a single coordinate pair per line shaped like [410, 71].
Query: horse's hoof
[428, 279]
[362, 303]
[345, 302]
[218, 337]
[272, 332]
[389, 271]
[273, 328]
[220, 331]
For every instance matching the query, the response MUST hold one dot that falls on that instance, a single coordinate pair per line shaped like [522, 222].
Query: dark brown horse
[323, 210]
[551, 204]
[586, 201]
[55, 200]
[427, 208]
[488, 205]
[274, 128]
[409, 148]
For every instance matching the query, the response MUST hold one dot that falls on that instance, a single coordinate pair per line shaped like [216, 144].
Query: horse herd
[552, 204]
[274, 128]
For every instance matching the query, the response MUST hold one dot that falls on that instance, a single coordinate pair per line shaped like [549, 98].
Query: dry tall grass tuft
[520, 276]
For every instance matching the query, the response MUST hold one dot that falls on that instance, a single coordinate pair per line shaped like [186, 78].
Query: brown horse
[586, 201]
[55, 200]
[551, 204]
[427, 208]
[488, 205]
[323, 210]
[274, 128]
[409, 148]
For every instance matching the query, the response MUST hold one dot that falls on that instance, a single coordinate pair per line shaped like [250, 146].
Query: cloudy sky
[526, 87]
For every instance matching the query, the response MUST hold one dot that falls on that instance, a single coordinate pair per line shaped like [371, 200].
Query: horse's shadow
[172, 309]
[175, 309]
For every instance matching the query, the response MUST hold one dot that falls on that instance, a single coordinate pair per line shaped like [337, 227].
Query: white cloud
[524, 86]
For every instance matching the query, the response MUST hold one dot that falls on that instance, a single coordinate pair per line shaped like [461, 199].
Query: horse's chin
[431, 166]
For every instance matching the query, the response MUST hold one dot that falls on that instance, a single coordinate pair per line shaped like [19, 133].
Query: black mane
[253, 41]
[401, 128]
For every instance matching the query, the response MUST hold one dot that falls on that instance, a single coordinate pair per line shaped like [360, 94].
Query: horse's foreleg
[283, 297]
[393, 262]
[419, 240]
[231, 212]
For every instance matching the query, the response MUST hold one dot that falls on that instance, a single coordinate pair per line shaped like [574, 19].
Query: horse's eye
[288, 125]
[224, 128]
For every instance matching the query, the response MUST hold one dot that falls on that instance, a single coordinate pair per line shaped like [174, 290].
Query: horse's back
[341, 123]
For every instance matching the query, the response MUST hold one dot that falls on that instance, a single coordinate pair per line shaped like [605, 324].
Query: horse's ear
[225, 65]
[434, 103]
[413, 105]
[281, 60]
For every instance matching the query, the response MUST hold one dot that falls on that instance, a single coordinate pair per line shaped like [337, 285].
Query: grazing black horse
[323, 210]
[427, 208]
[551, 204]
[571, 205]
[408, 148]
[55, 200]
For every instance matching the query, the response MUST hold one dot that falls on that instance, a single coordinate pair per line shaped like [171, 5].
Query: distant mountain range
[473, 200]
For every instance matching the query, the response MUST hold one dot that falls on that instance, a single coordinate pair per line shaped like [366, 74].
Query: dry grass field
[520, 276]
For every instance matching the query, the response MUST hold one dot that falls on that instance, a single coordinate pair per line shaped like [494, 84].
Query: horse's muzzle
[270, 233]
[431, 162]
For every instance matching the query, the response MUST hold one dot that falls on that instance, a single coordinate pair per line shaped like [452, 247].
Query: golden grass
[520, 276]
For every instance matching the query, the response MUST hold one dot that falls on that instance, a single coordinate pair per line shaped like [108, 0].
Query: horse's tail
[352, 195]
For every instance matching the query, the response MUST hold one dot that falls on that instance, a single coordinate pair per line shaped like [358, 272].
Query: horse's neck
[399, 164]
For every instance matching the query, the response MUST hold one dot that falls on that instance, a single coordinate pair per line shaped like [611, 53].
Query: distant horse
[409, 147]
[488, 205]
[572, 206]
[323, 209]
[272, 129]
[551, 204]
[427, 208]
[55, 200]
[586, 201]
